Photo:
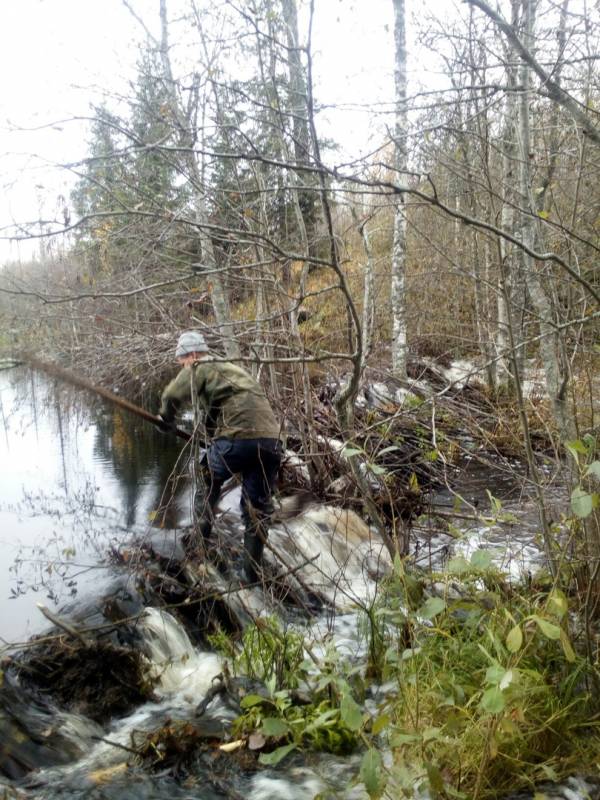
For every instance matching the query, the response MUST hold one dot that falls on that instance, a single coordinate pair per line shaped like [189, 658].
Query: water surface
[77, 476]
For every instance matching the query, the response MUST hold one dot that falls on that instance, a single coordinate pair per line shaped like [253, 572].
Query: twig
[116, 744]
[56, 620]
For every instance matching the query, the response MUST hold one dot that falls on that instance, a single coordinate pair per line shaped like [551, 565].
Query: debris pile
[96, 678]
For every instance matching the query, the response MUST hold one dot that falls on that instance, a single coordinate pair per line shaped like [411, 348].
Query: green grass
[491, 694]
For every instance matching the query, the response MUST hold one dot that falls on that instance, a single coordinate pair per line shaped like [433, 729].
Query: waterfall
[179, 666]
[339, 557]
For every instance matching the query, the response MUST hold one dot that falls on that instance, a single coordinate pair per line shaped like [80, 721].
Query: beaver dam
[455, 668]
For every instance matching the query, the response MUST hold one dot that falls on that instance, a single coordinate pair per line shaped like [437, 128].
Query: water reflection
[77, 476]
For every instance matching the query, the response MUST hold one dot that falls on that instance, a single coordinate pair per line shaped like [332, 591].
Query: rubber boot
[253, 552]
[205, 501]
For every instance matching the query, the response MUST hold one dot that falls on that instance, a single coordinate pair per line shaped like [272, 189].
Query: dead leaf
[256, 741]
[231, 747]
[100, 776]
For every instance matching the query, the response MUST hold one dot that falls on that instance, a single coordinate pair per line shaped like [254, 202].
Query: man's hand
[165, 425]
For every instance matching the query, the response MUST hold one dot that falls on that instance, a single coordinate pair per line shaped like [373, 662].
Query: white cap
[190, 342]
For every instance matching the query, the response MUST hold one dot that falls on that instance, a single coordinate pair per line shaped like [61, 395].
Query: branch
[553, 89]
[50, 299]
[479, 223]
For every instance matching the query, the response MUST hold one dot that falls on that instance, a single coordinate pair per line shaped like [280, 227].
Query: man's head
[191, 346]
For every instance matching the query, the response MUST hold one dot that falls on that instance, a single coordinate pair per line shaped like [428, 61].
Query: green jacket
[234, 403]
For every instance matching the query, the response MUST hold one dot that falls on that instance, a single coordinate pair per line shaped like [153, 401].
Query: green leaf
[253, 700]
[433, 607]
[493, 701]
[410, 652]
[543, 214]
[348, 452]
[351, 712]
[431, 734]
[376, 469]
[380, 724]
[549, 629]
[567, 647]
[398, 739]
[436, 782]
[577, 448]
[495, 504]
[322, 720]
[514, 640]
[593, 470]
[398, 566]
[389, 449]
[557, 604]
[550, 773]
[272, 726]
[582, 503]
[458, 565]
[481, 559]
[371, 773]
[494, 674]
[270, 759]
[507, 679]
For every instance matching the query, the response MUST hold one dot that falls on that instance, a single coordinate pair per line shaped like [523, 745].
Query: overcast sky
[59, 56]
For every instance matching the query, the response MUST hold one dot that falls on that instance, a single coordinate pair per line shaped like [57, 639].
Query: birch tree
[398, 272]
[532, 234]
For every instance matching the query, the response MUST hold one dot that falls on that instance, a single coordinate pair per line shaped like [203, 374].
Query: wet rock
[30, 732]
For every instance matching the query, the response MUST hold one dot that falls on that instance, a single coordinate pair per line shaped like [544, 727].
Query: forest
[422, 313]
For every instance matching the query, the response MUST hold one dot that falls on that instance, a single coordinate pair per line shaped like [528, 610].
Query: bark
[511, 300]
[297, 89]
[556, 373]
[368, 318]
[398, 288]
[368, 312]
[305, 197]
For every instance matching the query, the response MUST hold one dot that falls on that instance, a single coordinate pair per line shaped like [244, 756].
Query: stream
[80, 479]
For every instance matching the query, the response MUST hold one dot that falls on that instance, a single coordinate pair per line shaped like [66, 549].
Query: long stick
[83, 383]
[60, 623]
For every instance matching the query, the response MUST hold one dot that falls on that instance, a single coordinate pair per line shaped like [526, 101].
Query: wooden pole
[84, 383]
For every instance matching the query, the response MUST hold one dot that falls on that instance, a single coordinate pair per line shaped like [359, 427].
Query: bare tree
[398, 273]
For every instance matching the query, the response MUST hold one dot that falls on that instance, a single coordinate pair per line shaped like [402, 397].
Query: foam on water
[184, 673]
[338, 554]
[179, 666]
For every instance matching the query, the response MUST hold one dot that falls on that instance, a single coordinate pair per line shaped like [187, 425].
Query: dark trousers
[256, 461]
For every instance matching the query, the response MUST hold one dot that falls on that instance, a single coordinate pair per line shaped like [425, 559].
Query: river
[78, 477]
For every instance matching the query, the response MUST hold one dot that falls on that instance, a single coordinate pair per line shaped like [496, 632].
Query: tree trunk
[511, 298]
[307, 195]
[556, 377]
[398, 288]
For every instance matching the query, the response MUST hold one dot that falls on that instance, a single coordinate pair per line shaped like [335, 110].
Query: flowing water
[79, 478]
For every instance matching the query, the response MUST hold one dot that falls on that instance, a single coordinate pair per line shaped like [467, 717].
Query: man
[244, 440]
